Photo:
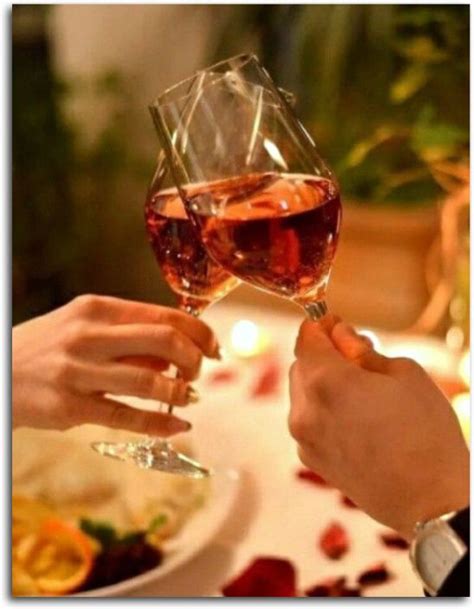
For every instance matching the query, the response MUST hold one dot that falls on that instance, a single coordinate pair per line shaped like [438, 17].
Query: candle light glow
[248, 339]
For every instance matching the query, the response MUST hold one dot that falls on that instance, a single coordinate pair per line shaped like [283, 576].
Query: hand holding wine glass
[68, 364]
[197, 282]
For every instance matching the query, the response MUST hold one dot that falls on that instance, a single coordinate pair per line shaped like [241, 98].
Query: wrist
[435, 505]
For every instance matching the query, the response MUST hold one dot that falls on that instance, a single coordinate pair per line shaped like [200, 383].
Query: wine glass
[197, 281]
[266, 205]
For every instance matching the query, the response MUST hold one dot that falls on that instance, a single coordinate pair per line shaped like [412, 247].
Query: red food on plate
[394, 540]
[378, 574]
[221, 376]
[309, 476]
[268, 379]
[265, 576]
[347, 501]
[334, 542]
[333, 586]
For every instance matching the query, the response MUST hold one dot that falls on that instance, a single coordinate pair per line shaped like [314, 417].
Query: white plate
[33, 450]
[197, 533]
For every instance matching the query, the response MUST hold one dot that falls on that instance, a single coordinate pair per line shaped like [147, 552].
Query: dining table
[279, 513]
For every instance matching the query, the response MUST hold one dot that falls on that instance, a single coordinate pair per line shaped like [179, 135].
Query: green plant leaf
[434, 140]
[421, 49]
[411, 80]
[361, 149]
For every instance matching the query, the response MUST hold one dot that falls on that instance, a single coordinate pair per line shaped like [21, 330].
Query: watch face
[436, 555]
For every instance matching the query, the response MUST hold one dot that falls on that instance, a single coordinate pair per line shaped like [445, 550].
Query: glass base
[154, 454]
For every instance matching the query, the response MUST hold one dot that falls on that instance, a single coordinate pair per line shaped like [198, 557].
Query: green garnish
[157, 522]
[107, 535]
[104, 532]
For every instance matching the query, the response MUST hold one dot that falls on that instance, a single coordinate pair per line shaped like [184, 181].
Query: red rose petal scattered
[334, 586]
[347, 501]
[268, 380]
[266, 576]
[394, 540]
[221, 376]
[309, 476]
[378, 574]
[334, 542]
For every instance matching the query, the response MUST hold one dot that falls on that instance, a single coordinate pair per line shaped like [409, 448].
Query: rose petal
[394, 540]
[268, 380]
[221, 376]
[334, 542]
[333, 586]
[265, 576]
[309, 476]
[347, 501]
[378, 574]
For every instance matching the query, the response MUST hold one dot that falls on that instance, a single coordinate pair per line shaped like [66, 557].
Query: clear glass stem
[316, 310]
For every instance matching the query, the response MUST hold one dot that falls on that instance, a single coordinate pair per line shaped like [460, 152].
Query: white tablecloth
[276, 514]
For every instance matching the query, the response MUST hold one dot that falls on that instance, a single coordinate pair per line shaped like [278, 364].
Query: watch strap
[460, 523]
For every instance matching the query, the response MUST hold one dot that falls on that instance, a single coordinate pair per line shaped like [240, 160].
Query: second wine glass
[197, 282]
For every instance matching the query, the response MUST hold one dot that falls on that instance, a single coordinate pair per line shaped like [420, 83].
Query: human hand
[377, 428]
[65, 361]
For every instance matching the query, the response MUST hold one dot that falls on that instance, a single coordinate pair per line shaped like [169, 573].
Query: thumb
[358, 348]
[314, 343]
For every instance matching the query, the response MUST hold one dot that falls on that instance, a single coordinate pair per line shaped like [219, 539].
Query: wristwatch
[437, 548]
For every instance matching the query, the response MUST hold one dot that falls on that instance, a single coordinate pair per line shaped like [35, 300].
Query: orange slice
[59, 557]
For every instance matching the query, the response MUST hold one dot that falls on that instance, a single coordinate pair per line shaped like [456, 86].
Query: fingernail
[192, 396]
[180, 425]
[217, 353]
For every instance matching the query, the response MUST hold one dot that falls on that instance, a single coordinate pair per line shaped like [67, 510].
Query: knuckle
[326, 380]
[62, 371]
[118, 417]
[86, 305]
[168, 336]
[196, 360]
[304, 458]
[318, 382]
[144, 383]
[75, 335]
[297, 425]
[404, 366]
[294, 372]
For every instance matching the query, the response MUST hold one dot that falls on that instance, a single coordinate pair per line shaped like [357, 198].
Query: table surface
[276, 513]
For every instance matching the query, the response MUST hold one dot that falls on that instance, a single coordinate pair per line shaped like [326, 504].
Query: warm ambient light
[464, 368]
[248, 339]
[462, 407]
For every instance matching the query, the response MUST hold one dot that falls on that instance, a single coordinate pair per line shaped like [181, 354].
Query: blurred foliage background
[383, 88]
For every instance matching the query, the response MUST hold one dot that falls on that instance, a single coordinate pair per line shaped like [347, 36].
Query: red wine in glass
[193, 276]
[278, 232]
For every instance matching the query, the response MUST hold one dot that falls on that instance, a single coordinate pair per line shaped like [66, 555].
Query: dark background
[384, 90]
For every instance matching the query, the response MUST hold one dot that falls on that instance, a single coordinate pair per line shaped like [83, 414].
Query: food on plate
[81, 522]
